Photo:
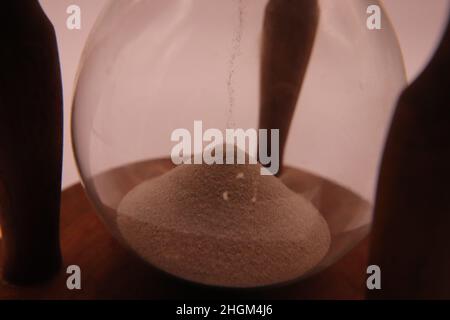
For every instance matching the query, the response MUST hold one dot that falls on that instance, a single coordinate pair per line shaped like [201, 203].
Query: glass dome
[152, 67]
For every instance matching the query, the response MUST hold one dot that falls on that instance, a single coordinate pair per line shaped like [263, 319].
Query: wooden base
[111, 272]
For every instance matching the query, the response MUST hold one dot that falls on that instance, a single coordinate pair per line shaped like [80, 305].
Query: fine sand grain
[223, 225]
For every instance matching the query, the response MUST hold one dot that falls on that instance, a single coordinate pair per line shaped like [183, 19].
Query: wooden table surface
[111, 272]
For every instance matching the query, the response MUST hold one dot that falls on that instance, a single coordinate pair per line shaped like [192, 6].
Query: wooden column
[411, 232]
[30, 143]
[288, 37]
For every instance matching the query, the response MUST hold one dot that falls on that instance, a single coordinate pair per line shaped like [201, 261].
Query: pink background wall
[419, 24]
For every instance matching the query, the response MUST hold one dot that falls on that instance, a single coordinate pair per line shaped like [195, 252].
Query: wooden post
[30, 143]
[288, 37]
[411, 231]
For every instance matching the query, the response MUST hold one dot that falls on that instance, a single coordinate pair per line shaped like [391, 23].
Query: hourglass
[311, 75]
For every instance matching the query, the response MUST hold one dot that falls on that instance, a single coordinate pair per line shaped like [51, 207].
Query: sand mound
[223, 225]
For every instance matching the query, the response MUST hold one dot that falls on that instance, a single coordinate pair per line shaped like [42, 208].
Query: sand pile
[223, 225]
